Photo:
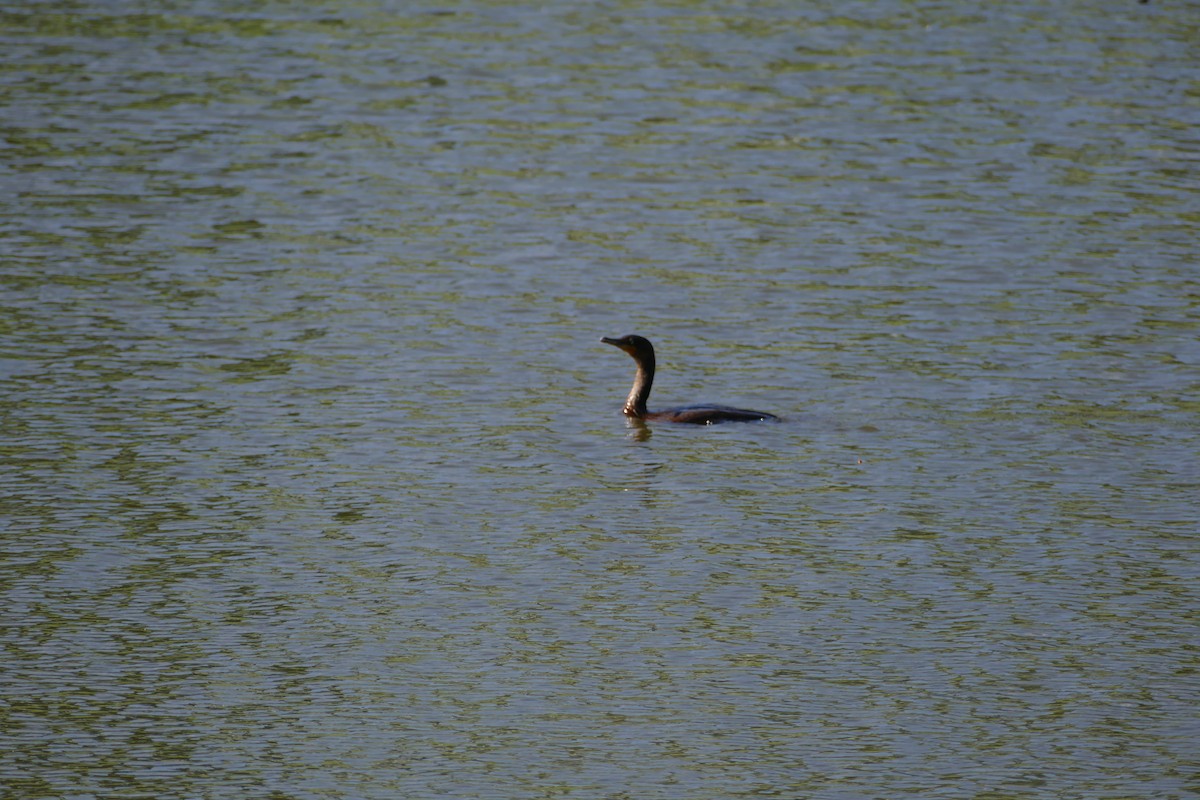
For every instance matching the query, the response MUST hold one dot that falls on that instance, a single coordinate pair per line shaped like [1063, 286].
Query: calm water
[314, 479]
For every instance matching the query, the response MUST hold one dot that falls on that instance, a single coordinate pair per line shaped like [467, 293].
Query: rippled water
[314, 478]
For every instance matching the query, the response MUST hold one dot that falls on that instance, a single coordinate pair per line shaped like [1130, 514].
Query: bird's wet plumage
[635, 405]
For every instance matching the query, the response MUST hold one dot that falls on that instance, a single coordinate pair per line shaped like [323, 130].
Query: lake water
[315, 482]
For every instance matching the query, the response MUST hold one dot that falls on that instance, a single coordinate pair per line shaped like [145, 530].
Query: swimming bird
[635, 405]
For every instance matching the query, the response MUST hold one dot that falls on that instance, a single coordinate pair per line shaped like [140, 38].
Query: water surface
[315, 482]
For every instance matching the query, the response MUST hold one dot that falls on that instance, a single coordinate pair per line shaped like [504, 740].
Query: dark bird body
[635, 405]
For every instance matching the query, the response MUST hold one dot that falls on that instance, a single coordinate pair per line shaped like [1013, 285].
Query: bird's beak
[617, 343]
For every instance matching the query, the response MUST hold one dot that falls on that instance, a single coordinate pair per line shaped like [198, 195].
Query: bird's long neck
[635, 404]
